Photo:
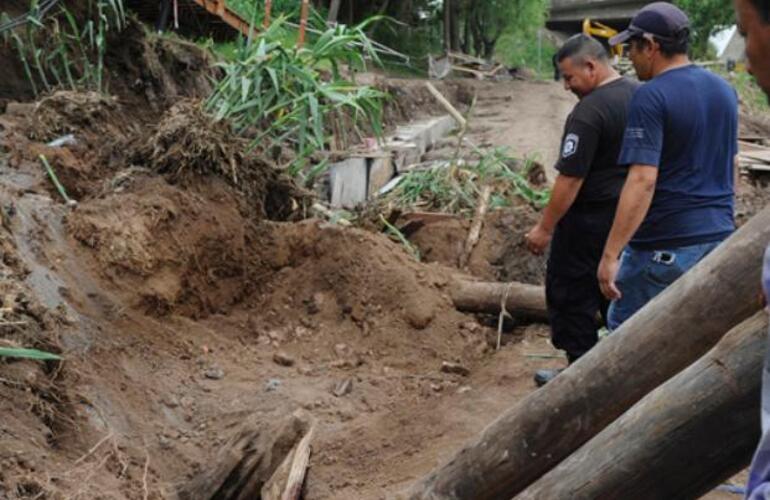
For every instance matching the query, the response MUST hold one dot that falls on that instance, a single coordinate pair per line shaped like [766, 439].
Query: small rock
[170, 401]
[419, 314]
[456, 368]
[470, 326]
[436, 387]
[464, 389]
[164, 443]
[272, 385]
[215, 373]
[343, 388]
[283, 359]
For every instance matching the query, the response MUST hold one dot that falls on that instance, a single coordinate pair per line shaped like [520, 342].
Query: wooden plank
[747, 146]
[229, 16]
[762, 156]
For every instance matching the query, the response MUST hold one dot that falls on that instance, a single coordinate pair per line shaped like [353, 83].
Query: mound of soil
[187, 144]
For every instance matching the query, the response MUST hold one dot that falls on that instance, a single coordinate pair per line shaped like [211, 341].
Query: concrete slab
[381, 171]
[349, 182]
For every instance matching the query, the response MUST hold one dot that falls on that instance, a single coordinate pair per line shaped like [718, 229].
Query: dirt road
[526, 116]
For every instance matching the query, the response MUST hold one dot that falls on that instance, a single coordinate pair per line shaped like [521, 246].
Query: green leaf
[13, 352]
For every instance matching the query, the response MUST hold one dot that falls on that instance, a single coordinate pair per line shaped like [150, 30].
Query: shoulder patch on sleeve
[570, 146]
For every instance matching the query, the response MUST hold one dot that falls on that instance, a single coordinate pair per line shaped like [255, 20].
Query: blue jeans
[643, 274]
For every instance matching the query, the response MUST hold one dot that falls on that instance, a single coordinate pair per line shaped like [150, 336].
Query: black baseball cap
[660, 19]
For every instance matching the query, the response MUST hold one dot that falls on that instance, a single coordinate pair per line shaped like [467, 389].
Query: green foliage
[277, 95]
[60, 52]
[455, 188]
[14, 352]
[751, 96]
[706, 17]
[524, 42]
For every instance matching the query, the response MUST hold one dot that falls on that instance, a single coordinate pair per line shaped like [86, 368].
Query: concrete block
[381, 171]
[349, 182]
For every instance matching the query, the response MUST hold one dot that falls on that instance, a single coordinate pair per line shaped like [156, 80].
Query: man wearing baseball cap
[679, 146]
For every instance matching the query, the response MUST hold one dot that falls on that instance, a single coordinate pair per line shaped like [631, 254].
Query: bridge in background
[567, 15]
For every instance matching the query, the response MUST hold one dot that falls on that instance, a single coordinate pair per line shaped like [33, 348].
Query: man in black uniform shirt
[579, 216]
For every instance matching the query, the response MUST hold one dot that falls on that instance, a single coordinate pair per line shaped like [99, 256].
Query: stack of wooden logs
[665, 407]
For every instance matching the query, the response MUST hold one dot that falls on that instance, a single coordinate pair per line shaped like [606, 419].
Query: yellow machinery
[599, 30]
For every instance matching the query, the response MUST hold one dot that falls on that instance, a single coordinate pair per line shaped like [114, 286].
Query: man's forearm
[634, 203]
[563, 195]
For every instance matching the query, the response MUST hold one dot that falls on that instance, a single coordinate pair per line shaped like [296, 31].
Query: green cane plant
[276, 94]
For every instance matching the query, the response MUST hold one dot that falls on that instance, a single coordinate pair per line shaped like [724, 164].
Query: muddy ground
[186, 303]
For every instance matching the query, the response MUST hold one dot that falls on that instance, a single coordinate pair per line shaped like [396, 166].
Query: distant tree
[707, 17]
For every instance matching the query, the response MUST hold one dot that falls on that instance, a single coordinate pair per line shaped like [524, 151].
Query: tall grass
[61, 52]
[278, 95]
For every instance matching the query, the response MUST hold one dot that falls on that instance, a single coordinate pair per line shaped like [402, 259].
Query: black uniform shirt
[592, 139]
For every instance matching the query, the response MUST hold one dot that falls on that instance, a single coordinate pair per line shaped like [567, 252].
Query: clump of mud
[188, 144]
[90, 116]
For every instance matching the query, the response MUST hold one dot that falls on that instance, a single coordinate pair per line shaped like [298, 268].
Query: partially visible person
[578, 217]
[754, 25]
[679, 146]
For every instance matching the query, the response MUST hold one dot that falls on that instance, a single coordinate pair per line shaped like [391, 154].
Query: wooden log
[248, 461]
[667, 335]
[482, 297]
[683, 439]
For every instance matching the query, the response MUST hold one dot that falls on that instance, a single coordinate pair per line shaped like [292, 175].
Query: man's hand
[538, 240]
[608, 271]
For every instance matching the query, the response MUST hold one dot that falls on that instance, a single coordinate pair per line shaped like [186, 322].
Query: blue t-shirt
[685, 122]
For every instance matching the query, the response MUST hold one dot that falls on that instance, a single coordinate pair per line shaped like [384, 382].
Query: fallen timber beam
[483, 297]
[683, 439]
[663, 338]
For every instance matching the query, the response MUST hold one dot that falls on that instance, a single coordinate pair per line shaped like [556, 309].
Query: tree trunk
[683, 439]
[467, 44]
[481, 297]
[454, 26]
[334, 10]
[447, 25]
[667, 335]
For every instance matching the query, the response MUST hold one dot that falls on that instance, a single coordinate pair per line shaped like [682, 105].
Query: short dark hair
[763, 7]
[669, 47]
[581, 46]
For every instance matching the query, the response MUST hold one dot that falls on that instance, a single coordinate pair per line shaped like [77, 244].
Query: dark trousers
[576, 305]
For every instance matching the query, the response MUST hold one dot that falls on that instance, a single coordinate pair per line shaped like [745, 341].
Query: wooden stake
[447, 105]
[478, 222]
[268, 9]
[303, 23]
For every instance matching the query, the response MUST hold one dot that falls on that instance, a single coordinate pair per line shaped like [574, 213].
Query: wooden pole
[666, 336]
[683, 439]
[481, 297]
[268, 11]
[303, 22]
[447, 105]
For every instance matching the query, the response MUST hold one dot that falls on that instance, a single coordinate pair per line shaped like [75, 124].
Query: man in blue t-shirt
[679, 145]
